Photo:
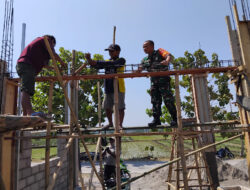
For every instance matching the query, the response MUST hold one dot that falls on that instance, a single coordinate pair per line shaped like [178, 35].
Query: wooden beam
[136, 75]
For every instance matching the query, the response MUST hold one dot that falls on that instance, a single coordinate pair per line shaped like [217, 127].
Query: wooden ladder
[201, 179]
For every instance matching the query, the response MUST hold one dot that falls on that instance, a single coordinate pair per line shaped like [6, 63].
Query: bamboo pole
[81, 179]
[108, 135]
[171, 158]
[117, 138]
[95, 157]
[47, 149]
[98, 146]
[197, 164]
[178, 159]
[170, 185]
[100, 121]
[71, 109]
[179, 129]
[117, 127]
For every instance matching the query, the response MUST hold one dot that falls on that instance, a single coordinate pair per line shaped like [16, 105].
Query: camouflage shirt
[152, 63]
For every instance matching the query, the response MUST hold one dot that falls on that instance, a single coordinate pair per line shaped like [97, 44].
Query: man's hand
[88, 56]
[90, 61]
[165, 62]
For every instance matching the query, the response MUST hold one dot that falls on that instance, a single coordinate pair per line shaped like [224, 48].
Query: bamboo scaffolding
[59, 77]
[178, 159]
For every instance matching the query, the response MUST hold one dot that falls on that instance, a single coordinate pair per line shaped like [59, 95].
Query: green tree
[87, 92]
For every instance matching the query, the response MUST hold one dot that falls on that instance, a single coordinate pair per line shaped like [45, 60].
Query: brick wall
[32, 175]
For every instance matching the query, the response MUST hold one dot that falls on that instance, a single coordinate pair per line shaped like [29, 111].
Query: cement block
[22, 183]
[24, 163]
[31, 180]
[25, 154]
[42, 184]
[26, 144]
[42, 167]
[35, 169]
[35, 186]
[24, 173]
[39, 176]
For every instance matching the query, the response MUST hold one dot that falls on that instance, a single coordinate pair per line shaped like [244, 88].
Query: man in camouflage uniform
[158, 60]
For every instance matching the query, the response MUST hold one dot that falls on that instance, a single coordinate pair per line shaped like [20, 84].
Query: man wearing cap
[109, 160]
[115, 64]
[158, 60]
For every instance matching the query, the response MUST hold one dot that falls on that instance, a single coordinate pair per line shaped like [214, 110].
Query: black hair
[52, 38]
[151, 42]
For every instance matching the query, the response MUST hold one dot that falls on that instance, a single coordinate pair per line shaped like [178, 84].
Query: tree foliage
[87, 92]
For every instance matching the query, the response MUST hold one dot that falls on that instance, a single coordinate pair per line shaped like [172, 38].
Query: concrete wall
[32, 175]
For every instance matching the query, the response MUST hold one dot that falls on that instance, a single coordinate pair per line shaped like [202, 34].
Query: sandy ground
[231, 173]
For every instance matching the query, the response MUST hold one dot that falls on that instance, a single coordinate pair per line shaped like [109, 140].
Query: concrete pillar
[203, 114]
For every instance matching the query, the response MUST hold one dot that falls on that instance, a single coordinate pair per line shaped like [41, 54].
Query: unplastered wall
[32, 175]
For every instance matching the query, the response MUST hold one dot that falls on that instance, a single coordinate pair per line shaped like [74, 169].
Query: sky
[87, 26]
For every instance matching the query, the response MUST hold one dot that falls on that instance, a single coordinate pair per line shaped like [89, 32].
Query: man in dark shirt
[32, 60]
[113, 65]
[158, 60]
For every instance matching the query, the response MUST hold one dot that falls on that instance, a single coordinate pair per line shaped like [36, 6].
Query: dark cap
[113, 47]
[111, 138]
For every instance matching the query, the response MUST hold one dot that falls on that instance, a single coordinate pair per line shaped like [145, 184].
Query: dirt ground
[231, 173]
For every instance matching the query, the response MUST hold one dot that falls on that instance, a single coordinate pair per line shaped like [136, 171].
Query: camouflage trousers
[159, 92]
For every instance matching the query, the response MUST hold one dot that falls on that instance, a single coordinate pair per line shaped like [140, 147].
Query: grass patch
[38, 154]
[137, 147]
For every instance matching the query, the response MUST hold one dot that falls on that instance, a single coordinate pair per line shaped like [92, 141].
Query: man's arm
[102, 64]
[111, 153]
[166, 60]
[166, 56]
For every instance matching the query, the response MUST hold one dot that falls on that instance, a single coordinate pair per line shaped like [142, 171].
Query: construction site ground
[231, 173]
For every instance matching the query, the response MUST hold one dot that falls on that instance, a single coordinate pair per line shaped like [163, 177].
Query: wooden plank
[7, 154]
[135, 75]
